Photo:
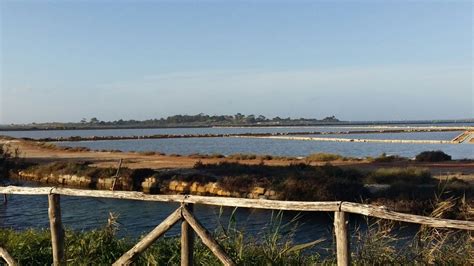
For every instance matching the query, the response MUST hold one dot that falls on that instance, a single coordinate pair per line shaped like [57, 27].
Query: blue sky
[358, 60]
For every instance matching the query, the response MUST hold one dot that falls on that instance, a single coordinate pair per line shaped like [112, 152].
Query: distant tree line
[199, 120]
[208, 120]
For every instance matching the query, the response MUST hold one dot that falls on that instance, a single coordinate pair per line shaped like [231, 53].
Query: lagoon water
[281, 147]
[448, 135]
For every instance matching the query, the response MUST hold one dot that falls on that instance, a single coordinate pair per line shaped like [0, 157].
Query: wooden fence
[184, 214]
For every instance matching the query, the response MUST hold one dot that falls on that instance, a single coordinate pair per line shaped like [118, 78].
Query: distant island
[204, 120]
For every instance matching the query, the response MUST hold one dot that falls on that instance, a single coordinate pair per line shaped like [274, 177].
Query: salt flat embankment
[462, 137]
[354, 140]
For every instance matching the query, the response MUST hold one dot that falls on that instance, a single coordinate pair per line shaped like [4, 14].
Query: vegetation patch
[396, 175]
[324, 157]
[432, 156]
[74, 168]
[206, 156]
[242, 156]
[384, 158]
[9, 160]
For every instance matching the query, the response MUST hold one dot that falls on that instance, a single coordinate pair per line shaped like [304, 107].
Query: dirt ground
[34, 152]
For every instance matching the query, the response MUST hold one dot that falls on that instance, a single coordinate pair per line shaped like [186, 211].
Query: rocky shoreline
[150, 185]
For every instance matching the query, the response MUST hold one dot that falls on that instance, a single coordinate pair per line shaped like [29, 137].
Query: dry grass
[380, 244]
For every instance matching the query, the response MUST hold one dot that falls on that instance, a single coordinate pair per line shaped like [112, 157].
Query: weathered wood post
[207, 238]
[6, 256]
[57, 230]
[187, 240]
[116, 176]
[148, 240]
[342, 239]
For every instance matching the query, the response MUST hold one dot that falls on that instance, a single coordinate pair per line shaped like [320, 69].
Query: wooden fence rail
[184, 213]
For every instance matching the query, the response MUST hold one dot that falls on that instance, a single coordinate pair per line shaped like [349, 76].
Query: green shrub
[323, 157]
[322, 183]
[242, 156]
[432, 156]
[237, 183]
[206, 156]
[30, 247]
[384, 158]
[266, 157]
[74, 168]
[410, 175]
[147, 153]
[8, 160]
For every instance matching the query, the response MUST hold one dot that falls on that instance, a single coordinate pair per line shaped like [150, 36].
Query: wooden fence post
[207, 239]
[6, 256]
[342, 239]
[57, 230]
[116, 176]
[149, 239]
[187, 240]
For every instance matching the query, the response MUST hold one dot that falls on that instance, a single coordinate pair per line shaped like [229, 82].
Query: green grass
[324, 157]
[396, 175]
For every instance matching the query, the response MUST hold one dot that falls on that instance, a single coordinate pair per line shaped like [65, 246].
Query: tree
[239, 117]
[261, 118]
[250, 119]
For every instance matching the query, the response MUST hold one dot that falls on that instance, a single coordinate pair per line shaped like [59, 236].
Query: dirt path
[35, 152]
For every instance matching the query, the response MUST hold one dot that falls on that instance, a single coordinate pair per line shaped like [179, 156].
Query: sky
[358, 60]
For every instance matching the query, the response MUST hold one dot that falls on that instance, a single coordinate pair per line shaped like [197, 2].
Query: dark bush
[237, 183]
[8, 160]
[406, 191]
[322, 187]
[325, 182]
[384, 158]
[410, 176]
[432, 156]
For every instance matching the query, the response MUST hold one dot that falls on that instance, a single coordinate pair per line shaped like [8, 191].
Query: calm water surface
[449, 135]
[280, 147]
[261, 146]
